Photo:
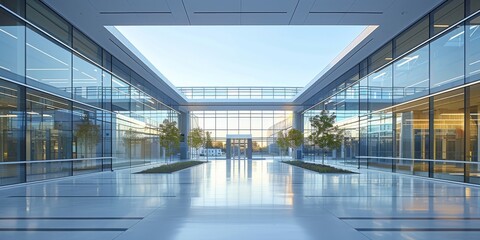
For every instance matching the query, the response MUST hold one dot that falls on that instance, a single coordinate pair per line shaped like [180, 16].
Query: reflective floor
[260, 199]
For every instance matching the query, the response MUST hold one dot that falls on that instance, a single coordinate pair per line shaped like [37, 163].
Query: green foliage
[282, 141]
[87, 134]
[324, 132]
[195, 138]
[169, 137]
[208, 140]
[316, 167]
[295, 138]
[172, 167]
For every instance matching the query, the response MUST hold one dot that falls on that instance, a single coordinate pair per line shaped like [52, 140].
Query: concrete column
[298, 123]
[249, 148]
[184, 126]
[228, 148]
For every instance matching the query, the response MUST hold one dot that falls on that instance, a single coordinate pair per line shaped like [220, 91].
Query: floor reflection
[238, 199]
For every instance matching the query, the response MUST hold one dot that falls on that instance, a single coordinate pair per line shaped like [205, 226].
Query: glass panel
[448, 14]
[48, 64]
[380, 89]
[87, 47]
[474, 6]
[49, 131]
[120, 96]
[412, 37]
[380, 140]
[15, 5]
[87, 82]
[380, 57]
[473, 50]
[43, 17]
[87, 129]
[120, 69]
[12, 131]
[363, 96]
[107, 90]
[473, 145]
[411, 76]
[449, 134]
[12, 47]
[447, 60]
[412, 137]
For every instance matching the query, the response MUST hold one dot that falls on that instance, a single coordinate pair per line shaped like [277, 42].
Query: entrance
[239, 146]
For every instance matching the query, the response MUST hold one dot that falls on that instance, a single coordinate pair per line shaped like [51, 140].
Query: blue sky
[240, 55]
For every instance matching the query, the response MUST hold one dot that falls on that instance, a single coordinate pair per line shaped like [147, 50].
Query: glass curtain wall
[262, 125]
[418, 114]
[63, 97]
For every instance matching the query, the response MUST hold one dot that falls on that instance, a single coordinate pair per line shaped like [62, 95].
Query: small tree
[87, 135]
[282, 142]
[196, 139]
[208, 142]
[169, 137]
[130, 139]
[324, 132]
[295, 140]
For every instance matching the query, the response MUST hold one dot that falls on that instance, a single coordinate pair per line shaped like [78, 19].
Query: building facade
[69, 105]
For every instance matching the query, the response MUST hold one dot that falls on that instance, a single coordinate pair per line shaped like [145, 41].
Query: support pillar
[298, 123]
[249, 149]
[184, 126]
[228, 148]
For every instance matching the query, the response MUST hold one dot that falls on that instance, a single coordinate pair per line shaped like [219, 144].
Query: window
[473, 50]
[12, 130]
[380, 89]
[87, 82]
[473, 119]
[412, 37]
[48, 64]
[43, 17]
[446, 15]
[120, 96]
[87, 47]
[412, 137]
[12, 47]
[473, 6]
[15, 5]
[49, 127]
[411, 75]
[120, 69]
[381, 57]
[448, 136]
[447, 60]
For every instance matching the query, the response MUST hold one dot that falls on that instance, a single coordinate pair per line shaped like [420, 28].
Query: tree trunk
[323, 157]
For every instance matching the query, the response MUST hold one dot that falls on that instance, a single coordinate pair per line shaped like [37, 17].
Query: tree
[208, 140]
[131, 138]
[169, 137]
[87, 135]
[325, 134]
[282, 142]
[208, 143]
[196, 139]
[295, 140]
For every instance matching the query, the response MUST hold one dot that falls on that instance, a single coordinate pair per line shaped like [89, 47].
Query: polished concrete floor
[260, 199]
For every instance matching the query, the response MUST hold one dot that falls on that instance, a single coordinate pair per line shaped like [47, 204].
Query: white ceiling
[392, 16]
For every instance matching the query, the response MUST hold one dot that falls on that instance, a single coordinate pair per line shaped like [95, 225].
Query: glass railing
[240, 92]
[30, 171]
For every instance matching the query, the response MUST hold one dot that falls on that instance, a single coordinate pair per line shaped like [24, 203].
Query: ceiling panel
[130, 5]
[268, 5]
[371, 5]
[212, 5]
[331, 5]
[323, 18]
[265, 18]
